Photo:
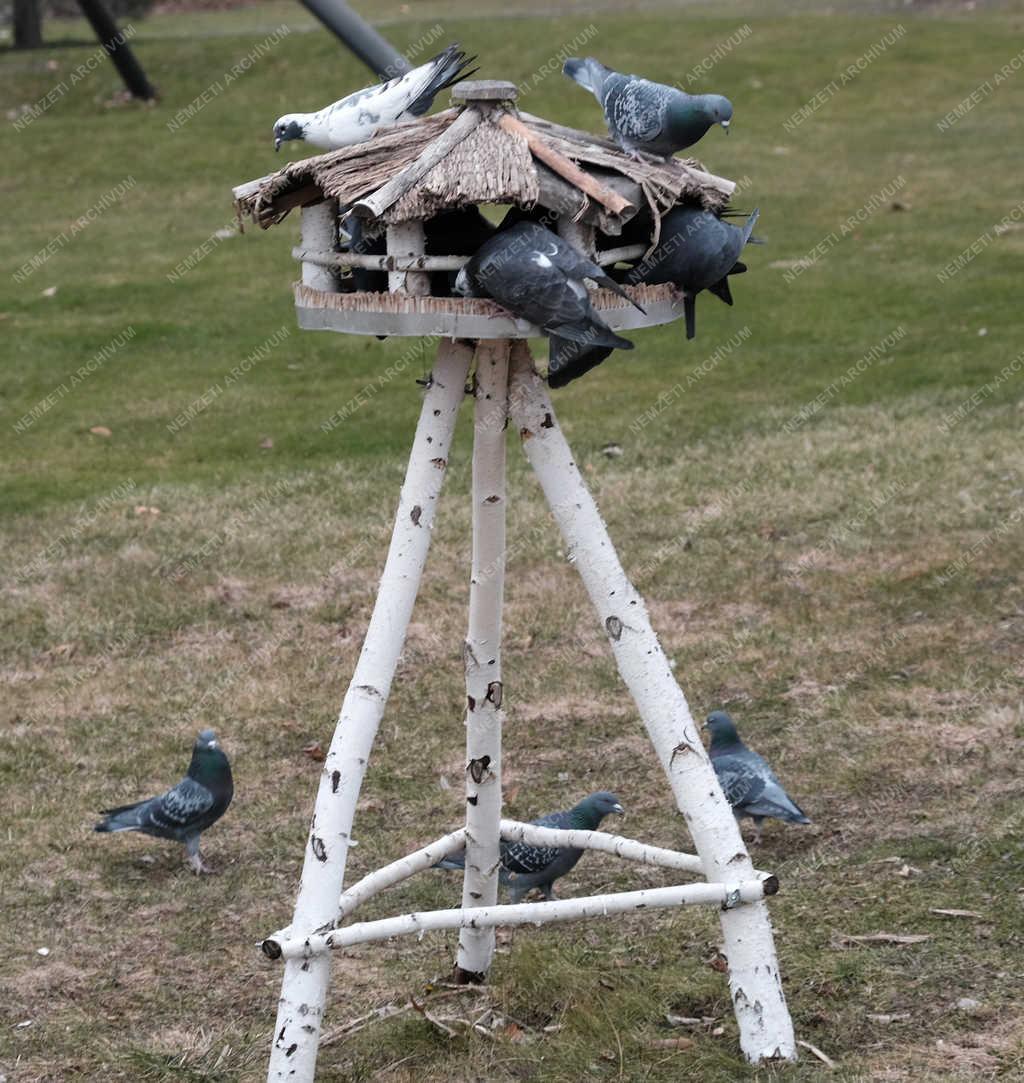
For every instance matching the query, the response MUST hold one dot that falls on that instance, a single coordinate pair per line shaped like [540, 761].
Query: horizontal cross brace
[430, 263]
[594, 906]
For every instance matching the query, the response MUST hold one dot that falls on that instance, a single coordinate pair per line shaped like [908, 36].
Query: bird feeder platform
[482, 152]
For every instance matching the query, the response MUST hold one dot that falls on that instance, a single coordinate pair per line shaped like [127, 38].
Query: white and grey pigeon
[524, 867]
[359, 116]
[185, 811]
[749, 784]
[643, 116]
[539, 277]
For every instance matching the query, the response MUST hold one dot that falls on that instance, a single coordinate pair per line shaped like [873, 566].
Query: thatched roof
[479, 160]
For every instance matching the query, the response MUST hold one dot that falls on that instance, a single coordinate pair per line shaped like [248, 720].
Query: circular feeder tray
[458, 317]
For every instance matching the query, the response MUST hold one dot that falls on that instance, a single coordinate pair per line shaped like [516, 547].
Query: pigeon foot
[198, 865]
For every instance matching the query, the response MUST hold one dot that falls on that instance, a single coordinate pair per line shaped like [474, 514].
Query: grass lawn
[827, 529]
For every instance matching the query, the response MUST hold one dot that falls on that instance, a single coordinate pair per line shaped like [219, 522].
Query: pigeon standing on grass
[184, 812]
[539, 277]
[648, 117]
[696, 251]
[359, 116]
[749, 784]
[524, 867]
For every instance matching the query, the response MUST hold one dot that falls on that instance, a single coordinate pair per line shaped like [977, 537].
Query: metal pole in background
[116, 45]
[356, 33]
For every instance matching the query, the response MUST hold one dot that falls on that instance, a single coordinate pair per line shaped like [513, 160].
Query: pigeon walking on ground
[359, 116]
[524, 867]
[749, 784]
[184, 812]
[696, 251]
[539, 277]
[648, 117]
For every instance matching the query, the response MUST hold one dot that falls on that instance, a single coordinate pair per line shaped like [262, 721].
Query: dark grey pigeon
[696, 251]
[749, 784]
[645, 116]
[524, 867]
[539, 277]
[184, 812]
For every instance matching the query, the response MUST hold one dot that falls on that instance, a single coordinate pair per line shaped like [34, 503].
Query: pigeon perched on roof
[524, 867]
[645, 116]
[539, 277]
[182, 813]
[696, 251]
[359, 116]
[749, 784]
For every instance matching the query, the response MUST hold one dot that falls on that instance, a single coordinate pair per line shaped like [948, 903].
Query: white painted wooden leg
[304, 988]
[766, 1030]
[483, 656]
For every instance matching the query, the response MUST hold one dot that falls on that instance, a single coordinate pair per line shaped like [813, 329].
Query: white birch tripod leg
[304, 987]
[766, 1031]
[483, 656]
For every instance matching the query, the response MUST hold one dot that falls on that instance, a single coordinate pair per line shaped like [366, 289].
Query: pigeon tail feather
[588, 72]
[690, 308]
[450, 68]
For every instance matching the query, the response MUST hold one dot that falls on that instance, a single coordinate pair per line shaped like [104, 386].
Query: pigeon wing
[635, 108]
[742, 781]
[181, 808]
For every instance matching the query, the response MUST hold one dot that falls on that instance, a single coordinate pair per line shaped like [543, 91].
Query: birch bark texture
[766, 1031]
[304, 986]
[319, 224]
[482, 654]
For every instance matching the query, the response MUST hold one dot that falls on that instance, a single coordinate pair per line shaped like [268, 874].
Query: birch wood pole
[483, 656]
[766, 1031]
[304, 988]
[319, 224]
[732, 894]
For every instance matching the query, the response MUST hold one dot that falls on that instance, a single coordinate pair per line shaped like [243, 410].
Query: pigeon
[749, 784]
[696, 251]
[182, 813]
[648, 117]
[359, 116]
[538, 276]
[524, 867]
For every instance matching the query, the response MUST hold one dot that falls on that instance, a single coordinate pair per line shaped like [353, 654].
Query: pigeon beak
[277, 145]
[619, 809]
[725, 125]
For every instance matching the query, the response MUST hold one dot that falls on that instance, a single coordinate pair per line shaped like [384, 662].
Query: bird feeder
[483, 151]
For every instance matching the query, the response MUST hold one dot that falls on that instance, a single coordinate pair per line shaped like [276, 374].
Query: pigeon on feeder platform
[359, 116]
[696, 251]
[539, 277]
[645, 116]
[184, 812]
[749, 784]
[524, 867]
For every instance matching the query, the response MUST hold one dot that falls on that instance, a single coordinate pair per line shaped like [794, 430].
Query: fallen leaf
[50, 291]
[906, 871]
[613, 451]
[267, 443]
[885, 938]
[100, 430]
[43, 951]
[144, 509]
[955, 913]
[887, 1017]
[670, 1043]
[827, 1061]
[514, 1033]
[315, 751]
[681, 1020]
[718, 962]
